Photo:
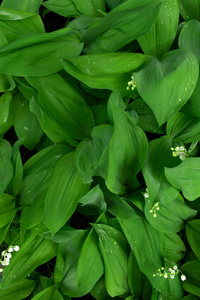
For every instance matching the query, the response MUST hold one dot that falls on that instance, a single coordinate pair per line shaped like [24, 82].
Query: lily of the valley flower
[6, 256]
[181, 152]
[131, 83]
[170, 273]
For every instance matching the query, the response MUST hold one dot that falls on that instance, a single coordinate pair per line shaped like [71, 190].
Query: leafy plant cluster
[99, 152]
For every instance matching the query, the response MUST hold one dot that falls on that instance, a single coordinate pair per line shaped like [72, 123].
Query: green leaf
[70, 251]
[139, 284]
[189, 9]
[192, 107]
[67, 188]
[6, 83]
[5, 100]
[65, 8]
[34, 252]
[46, 294]
[38, 171]
[147, 121]
[193, 236]
[27, 5]
[99, 291]
[90, 7]
[15, 23]
[184, 127]
[91, 155]
[167, 84]
[171, 216]
[93, 202]
[42, 52]
[6, 169]
[114, 250]
[191, 270]
[90, 264]
[127, 157]
[159, 155]
[174, 247]
[26, 124]
[16, 181]
[185, 177]
[18, 291]
[104, 71]
[7, 209]
[188, 37]
[122, 25]
[158, 40]
[62, 103]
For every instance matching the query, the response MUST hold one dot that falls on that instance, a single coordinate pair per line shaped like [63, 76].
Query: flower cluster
[180, 151]
[6, 256]
[131, 83]
[154, 209]
[171, 273]
[146, 194]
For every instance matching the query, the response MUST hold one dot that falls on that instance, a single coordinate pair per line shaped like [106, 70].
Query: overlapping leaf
[186, 177]
[62, 103]
[39, 49]
[158, 40]
[122, 25]
[67, 188]
[166, 84]
[104, 71]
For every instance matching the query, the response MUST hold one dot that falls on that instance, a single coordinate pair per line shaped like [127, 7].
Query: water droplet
[179, 99]
[161, 22]
[26, 128]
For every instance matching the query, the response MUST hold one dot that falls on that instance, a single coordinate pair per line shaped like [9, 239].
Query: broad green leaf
[167, 84]
[70, 251]
[7, 209]
[27, 5]
[184, 127]
[6, 169]
[114, 248]
[90, 7]
[190, 297]
[159, 156]
[104, 71]
[53, 130]
[192, 107]
[99, 291]
[62, 103]
[67, 188]
[34, 252]
[113, 4]
[174, 247]
[16, 181]
[185, 177]
[18, 291]
[65, 8]
[93, 202]
[5, 100]
[147, 121]
[157, 41]
[42, 52]
[188, 38]
[15, 23]
[26, 124]
[193, 236]
[191, 270]
[91, 155]
[38, 171]
[189, 9]
[32, 215]
[6, 83]
[48, 294]
[171, 216]
[126, 157]
[139, 284]
[90, 265]
[122, 25]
